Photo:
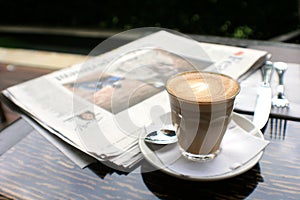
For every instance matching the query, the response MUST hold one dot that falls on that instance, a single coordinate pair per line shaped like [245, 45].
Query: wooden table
[35, 169]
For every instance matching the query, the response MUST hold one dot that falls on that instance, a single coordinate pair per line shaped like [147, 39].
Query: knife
[264, 98]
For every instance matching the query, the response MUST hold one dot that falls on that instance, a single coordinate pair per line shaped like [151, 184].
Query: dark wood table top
[35, 169]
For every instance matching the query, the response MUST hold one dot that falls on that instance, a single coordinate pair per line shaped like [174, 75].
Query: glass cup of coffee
[201, 106]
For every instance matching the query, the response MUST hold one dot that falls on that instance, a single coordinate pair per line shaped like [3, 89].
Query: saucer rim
[247, 166]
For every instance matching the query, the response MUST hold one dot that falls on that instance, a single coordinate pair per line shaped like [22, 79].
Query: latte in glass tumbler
[201, 106]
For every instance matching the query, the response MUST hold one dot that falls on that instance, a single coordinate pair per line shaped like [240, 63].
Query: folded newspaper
[101, 106]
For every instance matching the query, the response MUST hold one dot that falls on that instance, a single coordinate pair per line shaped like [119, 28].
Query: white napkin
[238, 147]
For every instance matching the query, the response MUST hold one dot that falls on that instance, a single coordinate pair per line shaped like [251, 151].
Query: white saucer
[193, 173]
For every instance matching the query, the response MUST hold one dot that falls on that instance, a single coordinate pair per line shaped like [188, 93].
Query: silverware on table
[278, 128]
[279, 101]
[264, 97]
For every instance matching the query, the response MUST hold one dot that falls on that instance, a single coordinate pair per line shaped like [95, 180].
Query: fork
[278, 128]
[279, 101]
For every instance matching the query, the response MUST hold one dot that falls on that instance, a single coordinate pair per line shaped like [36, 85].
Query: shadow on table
[168, 187]
[102, 169]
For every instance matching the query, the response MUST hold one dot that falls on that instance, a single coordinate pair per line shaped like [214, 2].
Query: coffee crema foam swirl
[205, 87]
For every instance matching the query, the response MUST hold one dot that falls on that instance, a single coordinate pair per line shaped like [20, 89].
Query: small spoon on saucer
[163, 136]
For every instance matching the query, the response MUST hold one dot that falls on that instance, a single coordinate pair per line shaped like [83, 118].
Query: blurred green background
[260, 19]
[251, 19]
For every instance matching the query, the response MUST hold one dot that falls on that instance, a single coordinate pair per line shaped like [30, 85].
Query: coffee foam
[202, 87]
